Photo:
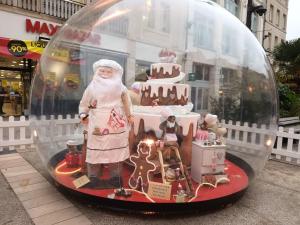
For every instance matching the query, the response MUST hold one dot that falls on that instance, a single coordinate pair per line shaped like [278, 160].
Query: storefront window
[199, 97]
[15, 76]
[158, 19]
[232, 6]
[229, 41]
[203, 31]
[151, 16]
[165, 17]
[227, 76]
[193, 96]
[230, 87]
[201, 71]
[117, 27]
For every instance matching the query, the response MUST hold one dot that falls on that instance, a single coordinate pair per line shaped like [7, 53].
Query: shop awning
[21, 48]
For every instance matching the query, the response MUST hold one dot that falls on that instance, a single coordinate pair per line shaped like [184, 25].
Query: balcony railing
[58, 8]
[118, 26]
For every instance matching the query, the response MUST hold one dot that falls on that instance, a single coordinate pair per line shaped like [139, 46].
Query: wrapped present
[73, 159]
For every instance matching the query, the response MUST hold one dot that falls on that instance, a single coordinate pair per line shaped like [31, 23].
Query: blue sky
[293, 20]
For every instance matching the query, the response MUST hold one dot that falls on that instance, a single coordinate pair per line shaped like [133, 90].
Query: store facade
[21, 45]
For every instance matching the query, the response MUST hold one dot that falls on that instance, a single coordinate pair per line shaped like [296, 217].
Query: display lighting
[65, 173]
[269, 142]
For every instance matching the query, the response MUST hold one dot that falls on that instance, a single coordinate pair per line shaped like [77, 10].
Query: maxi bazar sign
[70, 34]
[33, 49]
[41, 27]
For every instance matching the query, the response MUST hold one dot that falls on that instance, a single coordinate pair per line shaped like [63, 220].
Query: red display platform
[238, 182]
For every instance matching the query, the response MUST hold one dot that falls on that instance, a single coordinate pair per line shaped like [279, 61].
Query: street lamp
[221, 93]
[259, 9]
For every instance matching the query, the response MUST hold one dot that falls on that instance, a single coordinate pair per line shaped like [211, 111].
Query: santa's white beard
[110, 87]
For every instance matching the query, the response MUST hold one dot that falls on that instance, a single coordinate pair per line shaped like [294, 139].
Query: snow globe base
[205, 197]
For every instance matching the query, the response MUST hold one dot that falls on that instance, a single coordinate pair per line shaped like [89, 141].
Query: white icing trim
[168, 80]
[176, 109]
[167, 67]
[180, 89]
[152, 122]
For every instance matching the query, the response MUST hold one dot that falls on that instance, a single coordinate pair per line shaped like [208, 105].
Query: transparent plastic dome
[223, 64]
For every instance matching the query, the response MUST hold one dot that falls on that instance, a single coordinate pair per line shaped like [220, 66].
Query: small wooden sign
[159, 190]
[180, 198]
[79, 182]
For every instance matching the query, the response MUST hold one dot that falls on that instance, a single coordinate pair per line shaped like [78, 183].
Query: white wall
[14, 26]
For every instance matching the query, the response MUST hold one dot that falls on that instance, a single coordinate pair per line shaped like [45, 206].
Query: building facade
[211, 58]
[25, 28]
[275, 23]
[239, 8]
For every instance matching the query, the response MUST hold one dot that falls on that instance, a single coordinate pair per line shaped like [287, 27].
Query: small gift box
[72, 159]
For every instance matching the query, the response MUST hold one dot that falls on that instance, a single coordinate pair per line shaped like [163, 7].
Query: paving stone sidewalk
[43, 203]
[273, 198]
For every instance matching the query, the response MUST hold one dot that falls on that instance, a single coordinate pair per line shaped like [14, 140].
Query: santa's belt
[106, 107]
[109, 149]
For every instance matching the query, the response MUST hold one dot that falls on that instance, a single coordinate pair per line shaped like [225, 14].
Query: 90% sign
[17, 48]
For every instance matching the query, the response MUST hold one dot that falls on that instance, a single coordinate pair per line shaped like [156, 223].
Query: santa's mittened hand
[84, 118]
[84, 121]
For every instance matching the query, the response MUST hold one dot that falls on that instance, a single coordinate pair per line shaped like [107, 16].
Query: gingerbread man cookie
[142, 168]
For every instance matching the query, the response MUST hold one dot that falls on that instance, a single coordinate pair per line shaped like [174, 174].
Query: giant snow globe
[154, 105]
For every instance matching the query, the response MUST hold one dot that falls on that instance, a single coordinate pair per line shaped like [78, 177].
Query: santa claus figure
[106, 110]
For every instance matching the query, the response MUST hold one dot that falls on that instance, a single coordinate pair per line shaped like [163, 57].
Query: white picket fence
[248, 137]
[287, 147]
[16, 133]
[252, 139]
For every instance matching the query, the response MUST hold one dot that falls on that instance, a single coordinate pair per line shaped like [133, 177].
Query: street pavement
[273, 198]
[11, 209]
